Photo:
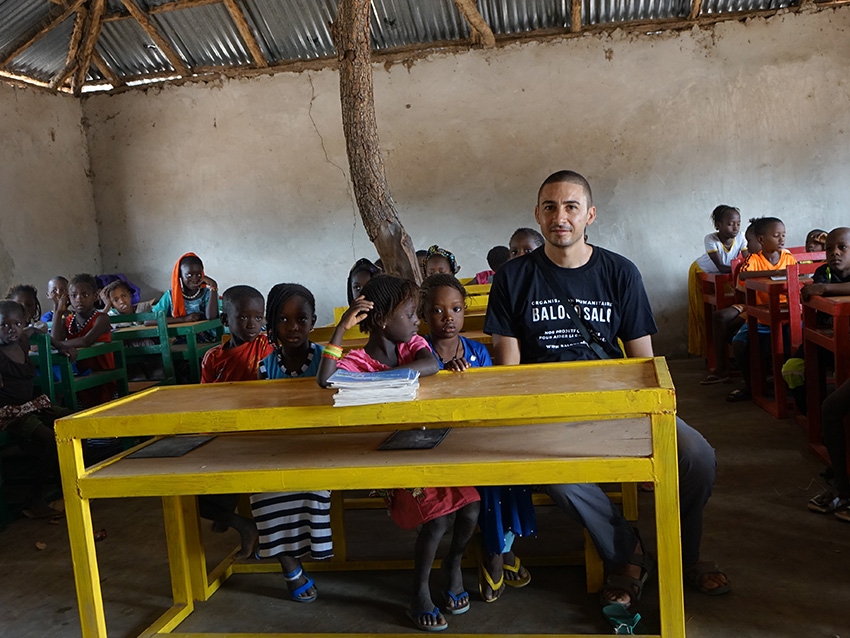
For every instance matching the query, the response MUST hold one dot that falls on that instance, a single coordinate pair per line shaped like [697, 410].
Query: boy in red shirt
[243, 312]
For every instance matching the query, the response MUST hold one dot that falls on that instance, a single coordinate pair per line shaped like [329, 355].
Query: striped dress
[294, 524]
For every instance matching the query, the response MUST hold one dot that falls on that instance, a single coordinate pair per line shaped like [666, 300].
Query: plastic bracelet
[333, 350]
[329, 355]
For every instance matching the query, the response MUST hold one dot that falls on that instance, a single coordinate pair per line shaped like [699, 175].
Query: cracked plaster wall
[252, 174]
[47, 218]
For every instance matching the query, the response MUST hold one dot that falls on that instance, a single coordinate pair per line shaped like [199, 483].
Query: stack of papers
[364, 388]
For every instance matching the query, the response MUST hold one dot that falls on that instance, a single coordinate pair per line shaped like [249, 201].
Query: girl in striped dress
[292, 524]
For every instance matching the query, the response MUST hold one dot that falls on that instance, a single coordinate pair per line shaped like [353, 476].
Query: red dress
[411, 508]
[101, 393]
[222, 364]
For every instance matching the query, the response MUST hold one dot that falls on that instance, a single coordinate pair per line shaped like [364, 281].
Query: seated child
[117, 298]
[27, 419]
[721, 248]
[56, 288]
[387, 312]
[836, 498]
[523, 241]
[832, 278]
[27, 296]
[496, 256]
[728, 321]
[84, 327]
[506, 511]
[439, 260]
[770, 232]
[193, 295]
[361, 272]
[236, 360]
[292, 524]
[815, 240]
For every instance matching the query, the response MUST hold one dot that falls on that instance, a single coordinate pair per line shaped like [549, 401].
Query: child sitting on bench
[387, 312]
[193, 295]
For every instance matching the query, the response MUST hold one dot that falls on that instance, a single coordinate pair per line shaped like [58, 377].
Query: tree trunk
[351, 36]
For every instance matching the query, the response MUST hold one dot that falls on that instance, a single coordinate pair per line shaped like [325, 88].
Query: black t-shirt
[607, 292]
[17, 380]
[826, 275]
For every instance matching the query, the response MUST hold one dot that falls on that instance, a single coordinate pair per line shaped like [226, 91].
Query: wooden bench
[600, 421]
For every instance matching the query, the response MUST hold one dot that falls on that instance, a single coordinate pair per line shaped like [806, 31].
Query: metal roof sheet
[46, 57]
[19, 17]
[207, 35]
[128, 50]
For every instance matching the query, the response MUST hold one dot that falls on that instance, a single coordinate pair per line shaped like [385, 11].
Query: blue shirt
[192, 305]
[475, 353]
[270, 367]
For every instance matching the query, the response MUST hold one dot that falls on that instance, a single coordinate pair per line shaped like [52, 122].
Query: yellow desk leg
[630, 501]
[668, 524]
[593, 566]
[81, 537]
[183, 534]
[337, 527]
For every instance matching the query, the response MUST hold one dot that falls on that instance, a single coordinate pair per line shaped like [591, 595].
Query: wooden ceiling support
[696, 9]
[38, 33]
[86, 52]
[177, 5]
[80, 23]
[245, 32]
[575, 16]
[103, 67]
[145, 22]
[480, 31]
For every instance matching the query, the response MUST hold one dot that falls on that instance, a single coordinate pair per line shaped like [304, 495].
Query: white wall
[252, 174]
[47, 219]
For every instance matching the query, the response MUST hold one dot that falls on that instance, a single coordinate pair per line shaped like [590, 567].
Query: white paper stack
[364, 388]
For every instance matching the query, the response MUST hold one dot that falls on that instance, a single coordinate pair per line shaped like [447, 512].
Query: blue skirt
[505, 509]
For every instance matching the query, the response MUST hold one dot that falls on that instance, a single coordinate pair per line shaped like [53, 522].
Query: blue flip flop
[457, 610]
[415, 615]
[295, 594]
[624, 622]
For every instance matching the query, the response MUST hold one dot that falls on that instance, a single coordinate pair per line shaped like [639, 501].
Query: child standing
[292, 524]
[27, 419]
[193, 295]
[506, 511]
[770, 232]
[387, 312]
[83, 327]
[721, 248]
[237, 360]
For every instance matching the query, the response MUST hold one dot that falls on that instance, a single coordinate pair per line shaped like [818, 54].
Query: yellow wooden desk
[622, 408]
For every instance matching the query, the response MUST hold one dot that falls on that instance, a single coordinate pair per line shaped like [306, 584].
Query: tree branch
[480, 31]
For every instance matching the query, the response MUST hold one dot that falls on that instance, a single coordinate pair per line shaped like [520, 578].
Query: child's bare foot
[250, 537]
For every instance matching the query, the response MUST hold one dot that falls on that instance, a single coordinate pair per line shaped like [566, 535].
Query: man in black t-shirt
[530, 324]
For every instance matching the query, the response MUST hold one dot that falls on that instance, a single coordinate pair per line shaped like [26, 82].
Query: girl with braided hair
[292, 524]
[387, 312]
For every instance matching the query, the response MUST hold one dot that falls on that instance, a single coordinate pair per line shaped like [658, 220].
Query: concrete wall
[252, 175]
[47, 219]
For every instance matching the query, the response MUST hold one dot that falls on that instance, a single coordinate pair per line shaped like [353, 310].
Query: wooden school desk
[595, 421]
[836, 340]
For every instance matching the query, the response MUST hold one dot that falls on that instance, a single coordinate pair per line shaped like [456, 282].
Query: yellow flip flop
[519, 581]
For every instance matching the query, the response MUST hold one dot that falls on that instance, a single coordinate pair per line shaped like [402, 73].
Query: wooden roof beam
[101, 65]
[245, 32]
[177, 5]
[86, 52]
[696, 9]
[575, 16]
[480, 31]
[144, 21]
[36, 34]
[71, 60]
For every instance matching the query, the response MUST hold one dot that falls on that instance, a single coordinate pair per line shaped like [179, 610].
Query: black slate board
[414, 439]
[170, 447]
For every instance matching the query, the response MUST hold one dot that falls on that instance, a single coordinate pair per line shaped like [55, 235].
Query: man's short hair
[236, 295]
[570, 177]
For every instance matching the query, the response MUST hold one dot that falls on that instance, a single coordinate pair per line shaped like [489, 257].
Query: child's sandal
[297, 594]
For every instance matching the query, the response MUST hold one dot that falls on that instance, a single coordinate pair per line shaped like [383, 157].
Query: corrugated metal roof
[128, 50]
[19, 17]
[46, 57]
[207, 35]
[203, 36]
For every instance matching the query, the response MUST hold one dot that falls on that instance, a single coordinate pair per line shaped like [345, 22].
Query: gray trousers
[611, 533]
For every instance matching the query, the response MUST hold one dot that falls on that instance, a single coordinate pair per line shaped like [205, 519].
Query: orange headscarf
[178, 308]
